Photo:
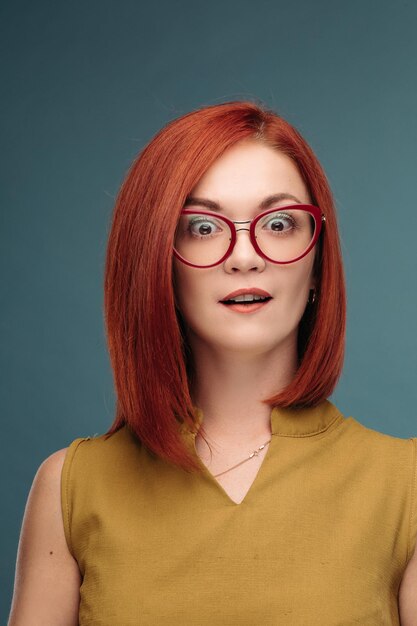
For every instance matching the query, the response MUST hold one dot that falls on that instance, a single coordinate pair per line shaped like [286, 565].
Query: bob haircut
[146, 335]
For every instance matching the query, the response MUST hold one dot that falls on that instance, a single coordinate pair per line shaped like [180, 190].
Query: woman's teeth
[246, 299]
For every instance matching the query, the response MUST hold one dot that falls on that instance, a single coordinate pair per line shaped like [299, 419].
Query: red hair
[151, 361]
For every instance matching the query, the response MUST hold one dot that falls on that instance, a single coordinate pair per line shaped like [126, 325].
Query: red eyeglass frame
[318, 216]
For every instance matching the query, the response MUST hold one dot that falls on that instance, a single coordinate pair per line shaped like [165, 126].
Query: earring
[313, 298]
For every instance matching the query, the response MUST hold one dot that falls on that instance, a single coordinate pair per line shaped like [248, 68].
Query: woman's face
[238, 181]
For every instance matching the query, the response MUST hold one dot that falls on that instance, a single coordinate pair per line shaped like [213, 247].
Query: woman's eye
[279, 223]
[203, 227]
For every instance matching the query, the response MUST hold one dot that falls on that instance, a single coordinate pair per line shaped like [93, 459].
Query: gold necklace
[254, 453]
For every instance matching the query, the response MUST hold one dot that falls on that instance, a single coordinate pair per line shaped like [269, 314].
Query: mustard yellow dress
[322, 537]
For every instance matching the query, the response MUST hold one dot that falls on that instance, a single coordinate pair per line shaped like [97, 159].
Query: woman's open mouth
[246, 307]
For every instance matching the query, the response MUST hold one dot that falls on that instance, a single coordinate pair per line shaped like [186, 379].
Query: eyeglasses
[281, 235]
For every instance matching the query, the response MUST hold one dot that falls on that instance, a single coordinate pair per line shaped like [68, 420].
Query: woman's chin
[256, 346]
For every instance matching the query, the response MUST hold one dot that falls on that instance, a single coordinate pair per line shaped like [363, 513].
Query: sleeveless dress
[322, 537]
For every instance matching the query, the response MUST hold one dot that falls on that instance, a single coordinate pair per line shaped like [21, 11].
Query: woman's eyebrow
[264, 205]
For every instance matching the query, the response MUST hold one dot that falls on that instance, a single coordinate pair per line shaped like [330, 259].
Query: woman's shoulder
[46, 485]
[51, 466]
[379, 447]
[121, 438]
[379, 437]
[97, 453]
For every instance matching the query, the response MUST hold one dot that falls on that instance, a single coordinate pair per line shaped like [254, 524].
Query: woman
[229, 490]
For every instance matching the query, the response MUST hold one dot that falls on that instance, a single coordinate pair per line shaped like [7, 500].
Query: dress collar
[303, 422]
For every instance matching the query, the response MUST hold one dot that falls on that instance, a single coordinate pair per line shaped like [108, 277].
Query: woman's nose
[244, 256]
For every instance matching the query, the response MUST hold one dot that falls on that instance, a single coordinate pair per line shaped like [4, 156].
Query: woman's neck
[229, 390]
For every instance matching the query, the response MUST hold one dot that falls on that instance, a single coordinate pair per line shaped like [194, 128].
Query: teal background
[86, 85]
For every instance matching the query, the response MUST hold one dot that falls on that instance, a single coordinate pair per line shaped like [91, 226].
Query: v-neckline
[255, 481]
[312, 421]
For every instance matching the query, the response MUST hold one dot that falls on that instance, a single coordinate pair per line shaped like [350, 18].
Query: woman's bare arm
[47, 581]
[408, 593]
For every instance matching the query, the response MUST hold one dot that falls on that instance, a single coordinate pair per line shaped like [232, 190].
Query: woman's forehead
[247, 175]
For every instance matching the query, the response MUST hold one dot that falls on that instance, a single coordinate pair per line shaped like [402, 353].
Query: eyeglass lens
[282, 235]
